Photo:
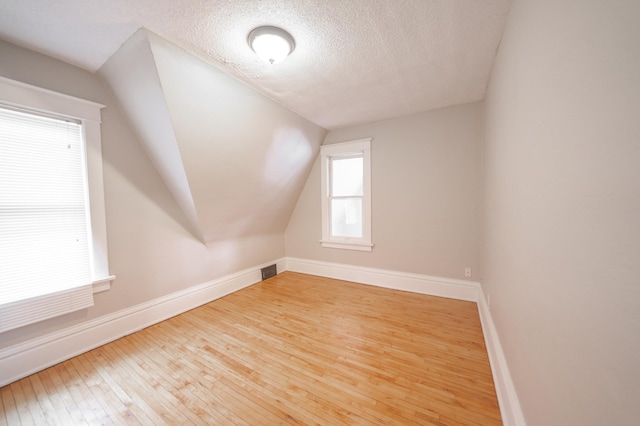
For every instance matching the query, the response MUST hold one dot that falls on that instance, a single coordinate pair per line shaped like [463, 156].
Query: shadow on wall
[122, 152]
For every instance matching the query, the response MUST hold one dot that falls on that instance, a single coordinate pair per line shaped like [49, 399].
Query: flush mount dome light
[271, 44]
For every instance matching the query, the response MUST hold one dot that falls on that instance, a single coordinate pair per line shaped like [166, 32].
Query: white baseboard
[510, 409]
[29, 357]
[435, 286]
[416, 283]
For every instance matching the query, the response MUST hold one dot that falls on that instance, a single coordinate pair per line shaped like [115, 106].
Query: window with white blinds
[48, 261]
[44, 234]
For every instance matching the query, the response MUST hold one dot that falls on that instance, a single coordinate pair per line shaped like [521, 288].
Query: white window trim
[326, 152]
[22, 95]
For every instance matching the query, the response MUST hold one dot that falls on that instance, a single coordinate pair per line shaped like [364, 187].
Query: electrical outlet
[467, 272]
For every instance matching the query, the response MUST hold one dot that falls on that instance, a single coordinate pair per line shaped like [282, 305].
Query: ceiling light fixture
[271, 44]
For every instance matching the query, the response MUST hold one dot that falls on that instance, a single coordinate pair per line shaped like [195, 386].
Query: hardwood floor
[295, 349]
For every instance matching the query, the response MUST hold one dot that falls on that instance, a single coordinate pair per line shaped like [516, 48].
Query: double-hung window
[52, 227]
[346, 195]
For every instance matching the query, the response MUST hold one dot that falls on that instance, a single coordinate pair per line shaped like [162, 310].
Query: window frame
[25, 96]
[344, 150]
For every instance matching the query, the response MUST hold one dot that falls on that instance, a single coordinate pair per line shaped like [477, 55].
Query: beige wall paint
[133, 78]
[246, 157]
[234, 160]
[562, 218]
[151, 251]
[425, 195]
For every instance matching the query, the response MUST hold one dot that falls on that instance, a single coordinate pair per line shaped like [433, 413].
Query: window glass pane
[347, 176]
[346, 217]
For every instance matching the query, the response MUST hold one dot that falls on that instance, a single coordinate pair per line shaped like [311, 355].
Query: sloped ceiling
[355, 61]
[226, 131]
[234, 160]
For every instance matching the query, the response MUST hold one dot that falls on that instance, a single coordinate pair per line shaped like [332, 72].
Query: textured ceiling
[355, 60]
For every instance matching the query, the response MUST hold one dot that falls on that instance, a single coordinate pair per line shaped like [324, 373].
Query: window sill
[103, 284]
[345, 245]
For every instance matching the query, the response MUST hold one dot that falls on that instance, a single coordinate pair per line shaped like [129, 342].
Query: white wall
[562, 218]
[234, 160]
[425, 196]
[151, 250]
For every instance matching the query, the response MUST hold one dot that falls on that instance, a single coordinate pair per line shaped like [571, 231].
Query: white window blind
[45, 250]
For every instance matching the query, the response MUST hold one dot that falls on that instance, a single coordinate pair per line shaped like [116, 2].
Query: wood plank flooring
[295, 349]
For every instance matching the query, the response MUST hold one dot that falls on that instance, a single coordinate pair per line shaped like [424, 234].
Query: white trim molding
[21, 360]
[16, 94]
[347, 246]
[20, 94]
[416, 283]
[360, 148]
[470, 291]
[510, 409]
[29, 357]
[103, 284]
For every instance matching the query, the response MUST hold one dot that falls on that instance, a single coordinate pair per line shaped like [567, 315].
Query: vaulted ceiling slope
[226, 131]
[355, 61]
[234, 160]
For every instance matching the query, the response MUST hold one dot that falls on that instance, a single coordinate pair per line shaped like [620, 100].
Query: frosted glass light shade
[271, 44]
